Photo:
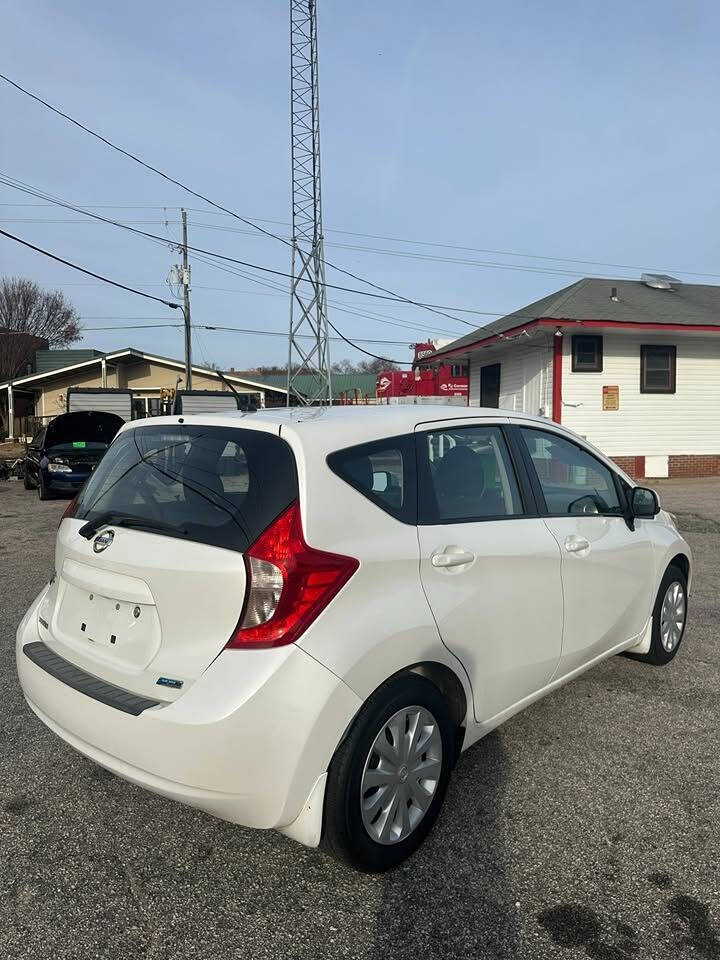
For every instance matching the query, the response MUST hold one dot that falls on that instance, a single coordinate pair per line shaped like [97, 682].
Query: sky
[524, 131]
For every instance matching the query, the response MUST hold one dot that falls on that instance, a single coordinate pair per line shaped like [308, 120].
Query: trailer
[214, 401]
[101, 400]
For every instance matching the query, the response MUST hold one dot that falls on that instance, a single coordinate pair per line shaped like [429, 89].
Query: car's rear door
[158, 599]
[489, 565]
[607, 566]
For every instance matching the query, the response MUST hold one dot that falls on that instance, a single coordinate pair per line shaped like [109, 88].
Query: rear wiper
[124, 520]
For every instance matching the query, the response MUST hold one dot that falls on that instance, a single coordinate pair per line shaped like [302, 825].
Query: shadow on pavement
[453, 898]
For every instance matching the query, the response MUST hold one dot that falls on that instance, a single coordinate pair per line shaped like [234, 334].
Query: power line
[98, 276]
[212, 203]
[32, 191]
[26, 188]
[213, 327]
[337, 305]
[385, 237]
[149, 296]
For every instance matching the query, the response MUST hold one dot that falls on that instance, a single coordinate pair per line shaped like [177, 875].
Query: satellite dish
[660, 281]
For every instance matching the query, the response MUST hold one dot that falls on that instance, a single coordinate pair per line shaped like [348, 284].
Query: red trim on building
[551, 322]
[557, 379]
[631, 324]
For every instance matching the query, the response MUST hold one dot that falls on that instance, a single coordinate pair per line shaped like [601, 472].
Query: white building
[634, 366]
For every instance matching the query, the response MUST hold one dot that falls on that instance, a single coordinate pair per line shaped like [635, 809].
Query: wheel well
[682, 562]
[449, 685]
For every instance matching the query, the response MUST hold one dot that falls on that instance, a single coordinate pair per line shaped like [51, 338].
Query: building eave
[440, 356]
[118, 355]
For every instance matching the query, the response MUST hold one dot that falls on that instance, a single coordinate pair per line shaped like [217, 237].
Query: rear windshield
[216, 485]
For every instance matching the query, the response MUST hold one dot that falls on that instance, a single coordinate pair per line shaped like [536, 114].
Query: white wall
[647, 424]
[525, 376]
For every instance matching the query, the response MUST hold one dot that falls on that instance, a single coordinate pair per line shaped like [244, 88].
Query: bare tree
[29, 315]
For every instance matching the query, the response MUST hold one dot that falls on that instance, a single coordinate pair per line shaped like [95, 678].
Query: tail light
[288, 584]
[69, 510]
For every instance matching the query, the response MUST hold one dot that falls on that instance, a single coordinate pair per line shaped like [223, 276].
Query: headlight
[59, 468]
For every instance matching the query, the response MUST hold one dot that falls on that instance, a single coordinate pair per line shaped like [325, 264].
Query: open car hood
[88, 426]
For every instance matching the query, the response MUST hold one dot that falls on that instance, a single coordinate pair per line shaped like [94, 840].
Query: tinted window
[466, 474]
[572, 480]
[383, 471]
[216, 485]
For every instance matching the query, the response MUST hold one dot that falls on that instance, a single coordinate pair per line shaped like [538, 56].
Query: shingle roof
[590, 299]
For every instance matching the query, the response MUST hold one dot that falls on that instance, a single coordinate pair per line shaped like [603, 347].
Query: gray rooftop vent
[660, 281]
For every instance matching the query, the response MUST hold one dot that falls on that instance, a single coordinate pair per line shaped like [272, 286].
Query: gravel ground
[585, 827]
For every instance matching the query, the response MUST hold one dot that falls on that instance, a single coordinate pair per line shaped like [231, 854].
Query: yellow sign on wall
[611, 398]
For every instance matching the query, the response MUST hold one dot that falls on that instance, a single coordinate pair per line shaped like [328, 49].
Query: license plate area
[109, 627]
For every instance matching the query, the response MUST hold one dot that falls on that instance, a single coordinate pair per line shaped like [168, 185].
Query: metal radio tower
[308, 351]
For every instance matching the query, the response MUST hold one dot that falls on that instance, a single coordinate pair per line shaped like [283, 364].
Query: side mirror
[644, 503]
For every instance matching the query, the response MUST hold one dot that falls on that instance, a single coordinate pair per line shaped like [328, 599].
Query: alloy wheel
[401, 774]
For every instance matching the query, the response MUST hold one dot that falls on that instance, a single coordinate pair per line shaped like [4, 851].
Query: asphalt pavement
[585, 827]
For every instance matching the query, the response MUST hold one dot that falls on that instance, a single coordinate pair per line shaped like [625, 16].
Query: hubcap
[672, 616]
[401, 775]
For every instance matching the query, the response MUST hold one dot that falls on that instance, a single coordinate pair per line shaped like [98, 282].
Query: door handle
[451, 558]
[576, 544]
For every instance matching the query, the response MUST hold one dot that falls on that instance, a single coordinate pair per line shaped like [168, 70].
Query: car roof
[387, 418]
[333, 428]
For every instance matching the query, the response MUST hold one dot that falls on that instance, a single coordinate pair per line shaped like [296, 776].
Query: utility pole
[308, 303]
[186, 309]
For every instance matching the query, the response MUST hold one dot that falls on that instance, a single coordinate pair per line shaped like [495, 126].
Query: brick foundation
[693, 465]
[681, 465]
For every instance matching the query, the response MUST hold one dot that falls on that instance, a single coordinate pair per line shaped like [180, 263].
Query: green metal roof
[46, 360]
[341, 383]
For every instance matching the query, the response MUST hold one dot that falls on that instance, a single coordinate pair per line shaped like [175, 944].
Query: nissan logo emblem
[103, 541]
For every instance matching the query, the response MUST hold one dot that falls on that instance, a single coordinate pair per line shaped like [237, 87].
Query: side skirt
[636, 644]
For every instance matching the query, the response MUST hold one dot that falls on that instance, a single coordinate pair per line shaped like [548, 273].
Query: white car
[297, 619]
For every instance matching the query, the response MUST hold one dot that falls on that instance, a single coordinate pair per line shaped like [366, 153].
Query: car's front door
[607, 567]
[489, 565]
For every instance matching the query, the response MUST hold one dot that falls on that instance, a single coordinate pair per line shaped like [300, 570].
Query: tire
[673, 589]
[43, 491]
[27, 482]
[373, 837]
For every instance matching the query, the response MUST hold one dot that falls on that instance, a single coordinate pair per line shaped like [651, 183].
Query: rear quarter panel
[380, 623]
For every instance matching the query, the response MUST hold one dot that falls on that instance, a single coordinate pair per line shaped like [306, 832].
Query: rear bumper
[247, 742]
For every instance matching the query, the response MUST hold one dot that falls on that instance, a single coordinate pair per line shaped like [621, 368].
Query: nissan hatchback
[298, 619]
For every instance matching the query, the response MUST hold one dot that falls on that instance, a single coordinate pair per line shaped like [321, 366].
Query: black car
[62, 455]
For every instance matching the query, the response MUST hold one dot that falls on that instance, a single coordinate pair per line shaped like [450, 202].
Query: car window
[466, 474]
[571, 479]
[216, 485]
[383, 471]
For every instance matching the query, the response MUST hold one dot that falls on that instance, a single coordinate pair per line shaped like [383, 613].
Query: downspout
[557, 377]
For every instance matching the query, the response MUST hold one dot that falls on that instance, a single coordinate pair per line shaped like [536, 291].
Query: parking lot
[585, 827]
